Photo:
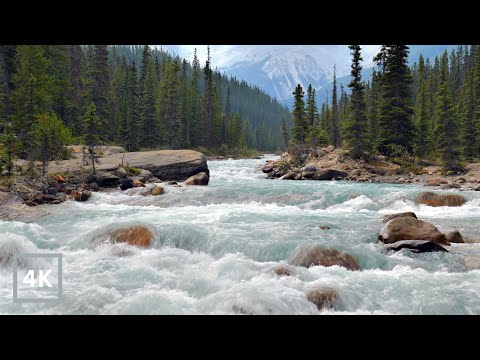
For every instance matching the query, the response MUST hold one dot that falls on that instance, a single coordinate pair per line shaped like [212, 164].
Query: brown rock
[316, 255]
[138, 183]
[199, 179]
[461, 180]
[135, 235]
[298, 177]
[409, 228]
[450, 186]
[157, 190]
[330, 174]
[433, 199]
[323, 297]
[356, 172]
[436, 181]
[389, 217]
[283, 270]
[59, 178]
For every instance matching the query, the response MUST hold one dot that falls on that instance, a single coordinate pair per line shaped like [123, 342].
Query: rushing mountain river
[215, 248]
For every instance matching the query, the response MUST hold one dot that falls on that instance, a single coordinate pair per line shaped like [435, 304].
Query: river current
[215, 247]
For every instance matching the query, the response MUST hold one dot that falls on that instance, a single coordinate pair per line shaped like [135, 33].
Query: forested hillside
[428, 111]
[133, 96]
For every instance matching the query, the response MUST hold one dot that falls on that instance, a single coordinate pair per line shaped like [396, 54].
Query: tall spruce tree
[467, 116]
[422, 122]
[299, 130]
[92, 131]
[396, 127]
[357, 125]
[334, 125]
[447, 131]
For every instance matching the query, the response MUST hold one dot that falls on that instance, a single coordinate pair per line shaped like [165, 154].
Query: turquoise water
[215, 247]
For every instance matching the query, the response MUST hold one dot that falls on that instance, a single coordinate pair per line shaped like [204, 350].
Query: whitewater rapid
[215, 248]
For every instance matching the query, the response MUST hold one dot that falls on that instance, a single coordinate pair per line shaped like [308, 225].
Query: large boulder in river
[126, 184]
[409, 228]
[199, 179]
[389, 217]
[432, 199]
[330, 174]
[323, 297]
[317, 255]
[417, 246]
[165, 164]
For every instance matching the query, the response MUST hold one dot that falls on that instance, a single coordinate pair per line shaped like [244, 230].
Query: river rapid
[215, 247]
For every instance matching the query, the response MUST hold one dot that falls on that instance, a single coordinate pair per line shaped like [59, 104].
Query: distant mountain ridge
[277, 69]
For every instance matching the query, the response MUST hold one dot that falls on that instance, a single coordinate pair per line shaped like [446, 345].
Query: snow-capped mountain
[277, 69]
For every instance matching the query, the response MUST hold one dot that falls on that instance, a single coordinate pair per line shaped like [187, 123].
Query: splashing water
[215, 247]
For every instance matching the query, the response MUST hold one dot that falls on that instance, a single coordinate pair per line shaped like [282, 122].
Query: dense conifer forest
[135, 96]
[427, 112]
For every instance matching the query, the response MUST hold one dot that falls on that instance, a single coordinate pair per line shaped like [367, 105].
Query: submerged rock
[330, 174]
[317, 255]
[432, 199]
[416, 246]
[283, 270]
[136, 235]
[389, 217]
[199, 179]
[409, 228]
[323, 297]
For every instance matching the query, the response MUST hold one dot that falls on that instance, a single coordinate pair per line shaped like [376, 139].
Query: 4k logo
[41, 276]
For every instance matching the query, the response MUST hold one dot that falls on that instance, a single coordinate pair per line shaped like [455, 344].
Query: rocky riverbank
[335, 164]
[73, 180]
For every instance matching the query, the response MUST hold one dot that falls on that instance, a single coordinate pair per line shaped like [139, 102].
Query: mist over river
[215, 247]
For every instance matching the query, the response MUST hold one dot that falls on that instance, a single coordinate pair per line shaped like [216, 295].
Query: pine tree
[422, 122]
[228, 118]
[168, 105]
[447, 129]
[151, 131]
[357, 125]
[285, 134]
[396, 128]
[196, 125]
[31, 95]
[372, 111]
[311, 116]
[92, 131]
[335, 126]
[208, 105]
[74, 96]
[131, 135]
[299, 129]
[470, 130]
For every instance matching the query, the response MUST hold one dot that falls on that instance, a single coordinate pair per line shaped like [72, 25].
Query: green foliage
[300, 126]
[50, 137]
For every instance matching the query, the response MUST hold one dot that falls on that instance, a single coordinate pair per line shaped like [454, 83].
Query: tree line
[134, 96]
[429, 111]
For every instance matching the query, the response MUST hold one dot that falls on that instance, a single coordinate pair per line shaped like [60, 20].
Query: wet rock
[80, 195]
[323, 297]
[137, 183]
[267, 168]
[325, 227]
[389, 217]
[136, 235]
[126, 184]
[199, 179]
[317, 255]
[450, 186]
[436, 181]
[401, 180]
[409, 228]
[308, 175]
[105, 179]
[283, 270]
[289, 176]
[173, 183]
[417, 246]
[452, 234]
[298, 177]
[435, 200]
[461, 180]
[157, 190]
[330, 174]
[92, 186]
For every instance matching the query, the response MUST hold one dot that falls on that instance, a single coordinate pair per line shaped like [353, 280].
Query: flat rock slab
[164, 164]
[416, 246]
